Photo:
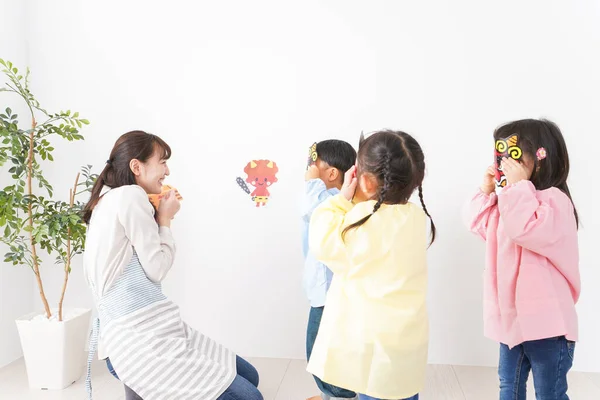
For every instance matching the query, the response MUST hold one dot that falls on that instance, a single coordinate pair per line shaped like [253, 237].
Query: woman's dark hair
[136, 145]
[337, 154]
[397, 162]
[551, 171]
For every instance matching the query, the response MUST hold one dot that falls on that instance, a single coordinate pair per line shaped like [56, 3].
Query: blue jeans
[243, 387]
[314, 321]
[549, 360]
[111, 368]
[245, 384]
[365, 397]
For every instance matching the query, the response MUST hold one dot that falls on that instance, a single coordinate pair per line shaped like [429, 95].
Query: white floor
[288, 380]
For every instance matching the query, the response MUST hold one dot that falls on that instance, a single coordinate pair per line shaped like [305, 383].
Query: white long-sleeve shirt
[123, 220]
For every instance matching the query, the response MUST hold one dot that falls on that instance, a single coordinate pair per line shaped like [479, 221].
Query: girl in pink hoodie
[531, 280]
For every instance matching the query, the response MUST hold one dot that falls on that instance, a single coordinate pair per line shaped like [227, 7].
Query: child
[373, 337]
[531, 281]
[324, 179]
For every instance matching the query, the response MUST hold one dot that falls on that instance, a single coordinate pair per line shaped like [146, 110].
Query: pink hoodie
[531, 280]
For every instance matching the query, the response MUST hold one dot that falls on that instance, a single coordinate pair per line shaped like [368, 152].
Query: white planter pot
[54, 351]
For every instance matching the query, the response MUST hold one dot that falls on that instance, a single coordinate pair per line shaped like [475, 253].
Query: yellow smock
[373, 338]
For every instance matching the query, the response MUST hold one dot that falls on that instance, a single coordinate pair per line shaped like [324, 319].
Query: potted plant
[53, 343]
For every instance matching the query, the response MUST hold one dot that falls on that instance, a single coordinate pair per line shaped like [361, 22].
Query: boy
[324, 178]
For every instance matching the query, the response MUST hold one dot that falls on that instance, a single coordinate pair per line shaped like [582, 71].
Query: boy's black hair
[337, 154]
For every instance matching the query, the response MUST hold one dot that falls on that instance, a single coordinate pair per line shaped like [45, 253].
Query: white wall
[224, 82]
[16, 290]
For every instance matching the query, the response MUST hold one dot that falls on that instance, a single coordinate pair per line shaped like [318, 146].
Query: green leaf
[76, 115]
[28, 228]
[85, 121]
[8, 110]
[6, 231]
[50, 157]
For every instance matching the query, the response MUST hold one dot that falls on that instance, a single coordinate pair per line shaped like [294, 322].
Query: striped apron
[152, 350]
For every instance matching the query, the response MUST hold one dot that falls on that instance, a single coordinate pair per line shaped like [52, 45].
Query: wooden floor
[288, 380]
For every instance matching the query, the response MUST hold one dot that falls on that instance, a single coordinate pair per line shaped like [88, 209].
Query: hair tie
[541, 154]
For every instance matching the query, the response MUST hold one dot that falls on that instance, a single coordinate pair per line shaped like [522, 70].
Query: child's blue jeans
[548, 359]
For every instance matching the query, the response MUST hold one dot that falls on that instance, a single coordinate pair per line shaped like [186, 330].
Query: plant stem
[36, 266]
[68, 260]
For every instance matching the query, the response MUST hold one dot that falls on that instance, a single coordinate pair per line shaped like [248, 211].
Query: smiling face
[261, 173]
[260, 181]
[150, 175]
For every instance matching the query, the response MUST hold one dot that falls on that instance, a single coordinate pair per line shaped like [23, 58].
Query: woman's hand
[168, 207]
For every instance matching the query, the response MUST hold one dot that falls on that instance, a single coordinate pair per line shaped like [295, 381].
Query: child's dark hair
[534, 134]
[337, 154]
[395, 158]
[137, 145]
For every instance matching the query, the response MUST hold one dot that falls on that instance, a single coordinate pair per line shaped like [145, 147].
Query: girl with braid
[373, 337]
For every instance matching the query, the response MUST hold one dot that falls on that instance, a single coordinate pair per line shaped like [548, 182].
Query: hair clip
[541, 154]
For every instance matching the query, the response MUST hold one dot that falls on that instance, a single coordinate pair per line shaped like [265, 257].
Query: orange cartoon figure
[261, 175]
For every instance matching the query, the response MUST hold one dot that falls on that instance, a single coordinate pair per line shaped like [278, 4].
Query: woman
[153, 352]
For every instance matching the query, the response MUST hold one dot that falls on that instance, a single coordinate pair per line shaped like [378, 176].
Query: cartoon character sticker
[261, 174]
[507, 147]
[312, 155]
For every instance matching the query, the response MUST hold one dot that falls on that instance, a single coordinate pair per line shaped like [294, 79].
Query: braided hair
[397, 162]
[386, 183]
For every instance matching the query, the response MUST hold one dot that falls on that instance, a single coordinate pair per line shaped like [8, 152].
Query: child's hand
[350, 181]
[312, 173]
[489, 184]
[514, 171]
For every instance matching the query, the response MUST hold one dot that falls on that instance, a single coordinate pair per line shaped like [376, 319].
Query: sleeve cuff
[341, 202]
[164, 230]
[490, 198]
